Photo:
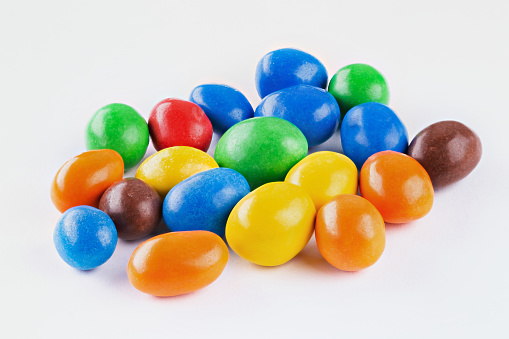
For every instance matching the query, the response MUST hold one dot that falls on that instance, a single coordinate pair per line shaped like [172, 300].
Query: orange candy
[350, 232]
[398, 186]
[177, 263]
[83, 179]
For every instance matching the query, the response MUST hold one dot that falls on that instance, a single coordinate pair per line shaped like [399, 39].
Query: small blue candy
[313, 110]
[85, 237]
[370, 128]
[204, 201]
[223, 105]
[287, 67]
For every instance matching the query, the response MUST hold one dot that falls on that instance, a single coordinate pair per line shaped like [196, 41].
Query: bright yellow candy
[272, 224]
[324, 175]
[170, 166]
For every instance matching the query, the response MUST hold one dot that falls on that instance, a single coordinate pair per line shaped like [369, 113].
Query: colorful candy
[134, 207]
[313, 110]
[177, 263]
[448, 150]
[397, 185]
[83, 179]
[371, 128]
[324, 175]
[120, 128]
[223, 105]
[175, 122]
[288, 67]
[204, 201]
[261, 149]
[166, 168]
[85, 237]
[272, 224]
[357, 84]
[350, 233]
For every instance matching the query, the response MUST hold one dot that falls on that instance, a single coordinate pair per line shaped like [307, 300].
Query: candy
[397, 185]
[83, 179]
[166, 168]
[223, 105]
[134, 207]
[261, 149]
[448, 150]
[204, 201]
[177, 263]
[120, 128]
[356, 84]
[272, 224]
[288, 67]
[350, 233]
[313, 110]
[85, 237]
[324, 175]
[371, 128]
[175, 122]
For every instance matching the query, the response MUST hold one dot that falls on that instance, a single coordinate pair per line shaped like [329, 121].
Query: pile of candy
[261, 191]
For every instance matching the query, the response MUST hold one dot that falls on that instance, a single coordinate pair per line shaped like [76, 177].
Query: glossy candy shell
[313, 110]
[350, 233]
[397, 185]
[272, 224]
[83, 179]
[288, 67]
[177, 263]
[204, 201]
[323, 175]
[166, 168]
[371, 128]
[261, 149]
[448, 150]
[356, 84]
[175, 122]
[85, 237]
[224, 106]
[120, 128]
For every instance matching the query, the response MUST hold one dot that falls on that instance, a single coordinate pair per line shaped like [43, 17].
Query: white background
[443, 276]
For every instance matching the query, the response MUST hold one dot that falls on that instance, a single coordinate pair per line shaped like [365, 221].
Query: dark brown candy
[134, 207]
[448, 150]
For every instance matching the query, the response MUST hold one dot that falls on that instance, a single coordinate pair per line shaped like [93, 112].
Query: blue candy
[223, 105]
[85, 237]
[370, 128]
[288, 67]
[204, 201]
[313, 110]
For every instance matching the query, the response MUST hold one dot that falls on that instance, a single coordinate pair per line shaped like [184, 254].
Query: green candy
[120, 128]
[356, 84]
[261, 149]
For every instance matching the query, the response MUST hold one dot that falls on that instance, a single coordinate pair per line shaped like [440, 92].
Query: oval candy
[177, 263]
[204, 201]
[313, 110]
[323, 175]
[287, 67]
[448, 151]
[261, 149]
[224, 106]
[371, 128]
[83, 179]
[272, 224]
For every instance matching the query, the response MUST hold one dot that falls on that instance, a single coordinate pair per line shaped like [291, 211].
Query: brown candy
[448, 150]
[134, 207]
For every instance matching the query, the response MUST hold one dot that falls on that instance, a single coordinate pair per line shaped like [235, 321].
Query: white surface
[443, 276]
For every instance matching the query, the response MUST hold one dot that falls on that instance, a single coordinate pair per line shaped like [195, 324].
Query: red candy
[175, 122]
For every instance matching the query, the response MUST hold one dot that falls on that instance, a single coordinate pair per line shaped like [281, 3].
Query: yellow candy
[323, 175]
[272, 224]
[170, 166]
